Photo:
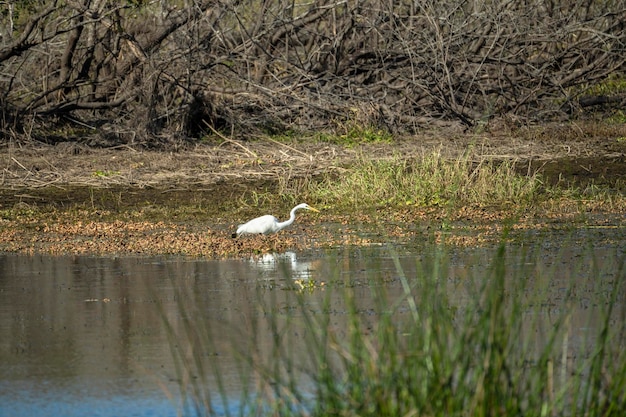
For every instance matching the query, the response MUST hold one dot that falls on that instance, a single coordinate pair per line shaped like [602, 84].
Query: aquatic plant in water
[417, 349]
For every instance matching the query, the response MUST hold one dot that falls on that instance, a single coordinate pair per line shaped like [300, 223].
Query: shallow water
[86, 336]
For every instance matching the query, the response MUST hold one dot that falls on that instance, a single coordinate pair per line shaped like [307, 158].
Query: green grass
[429, 181]
[418, 351]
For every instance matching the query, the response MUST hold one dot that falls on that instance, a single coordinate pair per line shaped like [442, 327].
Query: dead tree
[148, 73]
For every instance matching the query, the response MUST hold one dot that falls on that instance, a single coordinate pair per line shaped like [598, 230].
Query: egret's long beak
[314, 209]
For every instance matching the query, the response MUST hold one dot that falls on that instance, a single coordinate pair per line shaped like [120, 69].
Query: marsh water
[87, 336]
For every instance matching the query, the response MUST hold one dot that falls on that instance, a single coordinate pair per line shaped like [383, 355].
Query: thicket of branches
[159, 71]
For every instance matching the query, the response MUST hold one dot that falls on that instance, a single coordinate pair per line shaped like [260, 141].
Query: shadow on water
[123, 336]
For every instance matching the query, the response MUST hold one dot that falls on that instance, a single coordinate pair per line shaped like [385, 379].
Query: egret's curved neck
[292, 217]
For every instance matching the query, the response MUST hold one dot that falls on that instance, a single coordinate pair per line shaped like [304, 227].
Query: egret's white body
[269, 224]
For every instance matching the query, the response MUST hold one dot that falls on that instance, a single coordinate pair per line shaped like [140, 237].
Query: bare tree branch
[162, 70]
[24, 42]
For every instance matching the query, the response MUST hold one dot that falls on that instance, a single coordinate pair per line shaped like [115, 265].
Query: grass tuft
[430, 181]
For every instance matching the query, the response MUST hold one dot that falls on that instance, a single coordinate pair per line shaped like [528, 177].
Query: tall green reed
[418, 349]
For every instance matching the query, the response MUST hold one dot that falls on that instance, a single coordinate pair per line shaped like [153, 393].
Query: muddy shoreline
[72, 199]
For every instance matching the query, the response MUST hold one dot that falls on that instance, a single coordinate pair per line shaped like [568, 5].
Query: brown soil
[233, 162]
[42, 186]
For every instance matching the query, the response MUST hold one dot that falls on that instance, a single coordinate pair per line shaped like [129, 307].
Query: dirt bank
[69, 164]
[71, 198]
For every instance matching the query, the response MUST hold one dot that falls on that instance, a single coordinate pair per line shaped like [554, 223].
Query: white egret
[269, 224]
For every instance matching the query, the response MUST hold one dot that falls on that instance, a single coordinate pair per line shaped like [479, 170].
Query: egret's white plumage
[269, 224]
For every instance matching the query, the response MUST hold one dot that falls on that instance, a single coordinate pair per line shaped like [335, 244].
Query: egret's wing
[263, 224]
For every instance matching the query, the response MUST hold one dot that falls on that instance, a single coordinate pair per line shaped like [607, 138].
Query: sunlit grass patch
[429, 181]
